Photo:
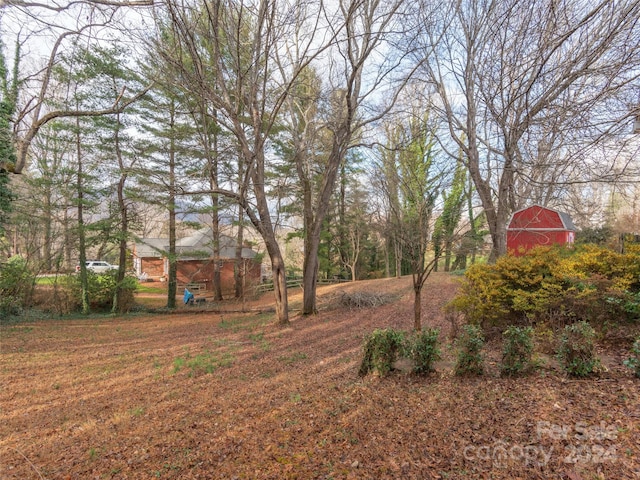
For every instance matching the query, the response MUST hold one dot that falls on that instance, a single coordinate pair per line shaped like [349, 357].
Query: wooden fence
[295, 283]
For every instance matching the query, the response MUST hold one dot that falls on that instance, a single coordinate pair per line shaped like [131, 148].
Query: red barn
[537, 225]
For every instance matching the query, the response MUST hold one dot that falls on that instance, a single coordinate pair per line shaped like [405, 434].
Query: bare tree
[356, 77]
[57, 26]
[224, 51]
[528, 89]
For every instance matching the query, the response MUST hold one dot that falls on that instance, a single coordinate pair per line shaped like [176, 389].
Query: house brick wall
[153, 267]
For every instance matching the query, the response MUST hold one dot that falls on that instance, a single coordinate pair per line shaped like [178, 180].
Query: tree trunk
[342, 208]
[48, 215]
[417, 305]
[279, 282]
[448, 246]
[398, 252]
[215, 233]
[68, 240]
[387, 260]
[118, 304]
[310, 276]
[486, 194]
[82, 243]
[310, 273]
[280, 291]
[499, 239]
[172, 281]
[215, 206]
[310, 263]
[118, 301]
[265, 227]
[238, 270]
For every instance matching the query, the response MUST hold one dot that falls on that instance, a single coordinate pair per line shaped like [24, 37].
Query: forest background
[346, 139]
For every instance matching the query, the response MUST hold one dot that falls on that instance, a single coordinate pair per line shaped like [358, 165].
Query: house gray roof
[197, 245]
[151, 247]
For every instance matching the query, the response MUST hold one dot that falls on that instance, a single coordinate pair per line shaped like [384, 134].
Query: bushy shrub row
[555, 285]
[576, 352]
[517, 351]
[17, 291]
[64, 295]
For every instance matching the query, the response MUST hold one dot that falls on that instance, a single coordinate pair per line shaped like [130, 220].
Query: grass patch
[258, 339]
[93, 453]
[203, 363]
[295, 397]
[20, 329]
[136, 412]
[150, 287]
[245, 322]
[293, 358]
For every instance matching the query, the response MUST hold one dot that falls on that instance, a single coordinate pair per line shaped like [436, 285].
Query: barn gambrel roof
[565, 218]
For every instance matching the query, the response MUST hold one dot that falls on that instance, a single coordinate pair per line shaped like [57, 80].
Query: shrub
[381, 349]
[544, 338]
[470, 359]
[553, 285]
[424, 350]
[629, 303]
[63, 298]
[634, 362]
[16, 286]
[576, 352]
[101, 291]
[517, 350]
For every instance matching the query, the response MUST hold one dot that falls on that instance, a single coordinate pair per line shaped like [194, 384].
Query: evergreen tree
[8, 98]
[447, 223]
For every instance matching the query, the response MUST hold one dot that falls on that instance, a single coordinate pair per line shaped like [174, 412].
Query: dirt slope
[225, 395]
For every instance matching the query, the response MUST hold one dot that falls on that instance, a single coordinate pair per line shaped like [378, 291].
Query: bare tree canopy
[530, 90]
[51, 30]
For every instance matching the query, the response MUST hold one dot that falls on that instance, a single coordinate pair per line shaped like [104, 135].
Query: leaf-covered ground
[221, 395]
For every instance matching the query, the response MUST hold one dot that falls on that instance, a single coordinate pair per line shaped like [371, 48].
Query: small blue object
[188, 296]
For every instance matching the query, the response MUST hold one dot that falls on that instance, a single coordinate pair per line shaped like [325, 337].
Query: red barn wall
[228, 282]
[520, 241]
[536, 226]
[194, 271]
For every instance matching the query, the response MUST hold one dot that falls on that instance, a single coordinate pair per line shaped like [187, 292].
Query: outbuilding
[195, 260]
[538, 225]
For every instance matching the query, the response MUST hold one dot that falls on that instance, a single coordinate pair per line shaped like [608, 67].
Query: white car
[98, 266]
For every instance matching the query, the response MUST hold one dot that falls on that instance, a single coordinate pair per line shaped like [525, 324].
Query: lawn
[221, 395]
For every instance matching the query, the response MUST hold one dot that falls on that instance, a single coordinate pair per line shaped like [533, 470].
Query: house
[195, 260]
[538, 225]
